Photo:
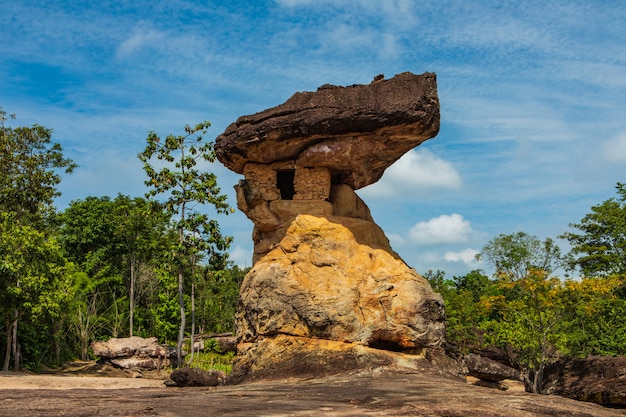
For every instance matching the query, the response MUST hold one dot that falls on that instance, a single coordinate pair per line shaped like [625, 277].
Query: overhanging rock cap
[356, 131]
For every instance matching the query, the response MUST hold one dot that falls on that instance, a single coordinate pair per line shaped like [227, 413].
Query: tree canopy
[599, 249]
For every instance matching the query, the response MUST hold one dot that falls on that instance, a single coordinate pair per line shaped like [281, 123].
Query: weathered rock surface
[356, 131]
[488, 369]
[134, 352]
[369, 392]
[599, 379]
[221, 342]
[286, 356]
[272, 218]
[320, 283]
[194, 377]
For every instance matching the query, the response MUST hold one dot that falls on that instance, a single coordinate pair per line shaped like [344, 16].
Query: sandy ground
[9, 380]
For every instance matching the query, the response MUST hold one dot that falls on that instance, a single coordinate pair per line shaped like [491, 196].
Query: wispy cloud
[143, 36]
[615, 149]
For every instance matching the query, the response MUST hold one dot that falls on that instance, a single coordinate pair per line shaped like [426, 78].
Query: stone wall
[308, 183]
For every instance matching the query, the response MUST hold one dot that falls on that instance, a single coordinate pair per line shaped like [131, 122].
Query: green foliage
[597, 327]
[31, 263]
[465, 314]
[105, 267]
[29, 162]
[600, 248]
[213, 360]
[183, 189]
[525, 310]
[32, 277]
[218, 296]
[516, 255]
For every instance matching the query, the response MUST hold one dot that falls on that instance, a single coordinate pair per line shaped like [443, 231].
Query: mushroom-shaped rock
[356, 131]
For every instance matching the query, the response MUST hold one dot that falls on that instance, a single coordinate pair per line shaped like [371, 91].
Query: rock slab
[598, 379]
[134, 352]
[357, 131]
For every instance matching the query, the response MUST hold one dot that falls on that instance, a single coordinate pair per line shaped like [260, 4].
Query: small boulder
[194, 377]
[488, 369]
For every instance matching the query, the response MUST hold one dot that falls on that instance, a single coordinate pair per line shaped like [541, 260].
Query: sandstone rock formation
[308, 155]
[319, 283]
[134, 352]
[327, 290]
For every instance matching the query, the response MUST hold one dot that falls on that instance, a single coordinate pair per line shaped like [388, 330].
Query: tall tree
[183, 189]
[533, 316]
[531, 311]
[113, 242]
[600, 247]
[139, 229]
[516, 255]
[31, 269]
[30, 163]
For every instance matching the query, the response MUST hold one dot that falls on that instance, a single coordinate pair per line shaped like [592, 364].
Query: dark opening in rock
[386, 345]
[285, 183]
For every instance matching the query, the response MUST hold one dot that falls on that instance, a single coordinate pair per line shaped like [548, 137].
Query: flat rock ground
[367, 393]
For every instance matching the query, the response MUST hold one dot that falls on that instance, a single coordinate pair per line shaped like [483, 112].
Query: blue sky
[533, 114]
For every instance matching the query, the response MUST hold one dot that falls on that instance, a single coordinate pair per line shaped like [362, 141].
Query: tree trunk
[133, 272]
[16, 353]
[538, 380]
[7, 354]
[57, 326]
[181, 330]
[193, 309]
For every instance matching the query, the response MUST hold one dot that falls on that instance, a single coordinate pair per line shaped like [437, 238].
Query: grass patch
[213, 360]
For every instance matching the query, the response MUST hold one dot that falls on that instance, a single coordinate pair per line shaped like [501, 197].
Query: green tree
[31, 163]
[118, 244]
[87, 232]
[140, 230]
[598, 306]
[532, 312]
[514, 256]
[184, 189]
[464, 311]
[218, 295]
[533, 320]
[600, 247]
[31, 270]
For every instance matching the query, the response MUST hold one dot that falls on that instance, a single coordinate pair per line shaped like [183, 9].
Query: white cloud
[144, 35]
[447, 228]
[615, 149]
[240, 256]
[467, 256]
[416, 171]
